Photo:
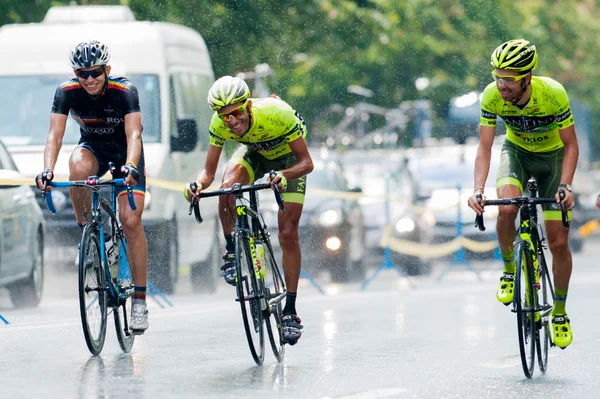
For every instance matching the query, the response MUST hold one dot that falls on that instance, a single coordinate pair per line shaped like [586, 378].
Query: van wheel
[28, 292]
[205, 275]
[163, 256]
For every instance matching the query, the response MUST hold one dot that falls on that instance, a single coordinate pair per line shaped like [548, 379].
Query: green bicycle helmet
[515, 55]
[227, 90]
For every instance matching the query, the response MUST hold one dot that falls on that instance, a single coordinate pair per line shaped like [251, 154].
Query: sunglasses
[237, 112]
[94, 73]
[507, 79]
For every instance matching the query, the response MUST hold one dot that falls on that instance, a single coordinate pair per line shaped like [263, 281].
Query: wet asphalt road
[447, 338]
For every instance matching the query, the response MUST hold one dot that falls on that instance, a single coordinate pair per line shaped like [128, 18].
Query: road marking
[372, 394]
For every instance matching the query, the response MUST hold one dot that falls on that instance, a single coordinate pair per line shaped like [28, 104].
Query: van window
[189, 91]
[24, 117]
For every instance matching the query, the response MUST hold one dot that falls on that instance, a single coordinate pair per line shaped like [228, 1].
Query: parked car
[445, 181]
[21, 237]
[332, 233]
[389, 199]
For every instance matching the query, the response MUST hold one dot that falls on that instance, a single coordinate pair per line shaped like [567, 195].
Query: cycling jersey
[534, 128]
[102, 122]
[101, 118]
[274, 125]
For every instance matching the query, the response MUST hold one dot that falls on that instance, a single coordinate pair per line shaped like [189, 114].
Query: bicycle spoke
[248, 295]
[92, 291]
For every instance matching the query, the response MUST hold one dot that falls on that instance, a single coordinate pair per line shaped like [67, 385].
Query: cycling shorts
[518, 165]
[257, 166]
[118, 156]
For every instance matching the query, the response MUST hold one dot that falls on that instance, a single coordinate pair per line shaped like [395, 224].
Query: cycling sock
[229, 243]
[290, 303]
[509, 262]
[560, 301]
[139, 293]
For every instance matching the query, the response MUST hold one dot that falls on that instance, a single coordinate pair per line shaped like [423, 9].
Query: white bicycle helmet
[89, 54]
[227, 90]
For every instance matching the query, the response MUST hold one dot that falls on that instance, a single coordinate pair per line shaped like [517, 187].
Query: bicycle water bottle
[112, 253]
[260, 257]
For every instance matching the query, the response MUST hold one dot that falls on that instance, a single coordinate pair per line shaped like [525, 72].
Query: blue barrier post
[460, 256]
[4, 320]
[125, 274]
[387, 252]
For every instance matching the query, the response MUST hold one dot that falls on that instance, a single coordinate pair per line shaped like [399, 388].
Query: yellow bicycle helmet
[227, 90]
[515, 55]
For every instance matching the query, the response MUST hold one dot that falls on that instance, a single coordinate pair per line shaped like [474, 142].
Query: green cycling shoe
[563, 336]
[506, 289]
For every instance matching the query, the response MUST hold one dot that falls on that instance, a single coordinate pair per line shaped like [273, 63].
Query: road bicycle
[259, 285]
[534, 292]
[100, 290]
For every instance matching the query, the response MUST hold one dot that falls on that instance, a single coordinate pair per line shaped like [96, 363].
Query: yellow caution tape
[427, 251]
[589, 228]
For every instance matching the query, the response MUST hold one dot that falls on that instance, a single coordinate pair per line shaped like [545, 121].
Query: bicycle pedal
[137, 332]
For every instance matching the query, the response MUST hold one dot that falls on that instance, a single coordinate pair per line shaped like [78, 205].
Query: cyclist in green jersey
[540, 142]
[274, 137]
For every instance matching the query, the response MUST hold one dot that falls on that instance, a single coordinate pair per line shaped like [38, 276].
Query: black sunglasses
[94, 73]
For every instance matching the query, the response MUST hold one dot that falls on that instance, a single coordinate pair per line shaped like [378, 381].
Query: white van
[171, 67]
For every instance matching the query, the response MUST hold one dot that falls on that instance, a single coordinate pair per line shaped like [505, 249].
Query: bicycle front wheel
[92, 290]
[122, 312]
[546, 305]
[249, 294]
[274, 295]
[525, 306]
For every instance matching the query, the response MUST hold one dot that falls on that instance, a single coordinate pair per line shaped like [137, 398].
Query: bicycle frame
[95, 219]
[253, 229]
[532, 272]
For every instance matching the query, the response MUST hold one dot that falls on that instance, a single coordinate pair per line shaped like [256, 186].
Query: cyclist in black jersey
[107, 110]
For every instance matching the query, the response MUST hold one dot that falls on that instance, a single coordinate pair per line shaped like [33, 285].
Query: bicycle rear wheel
[547, 303]
[249, 293]
[525, 305]
[92, 290]
[274, 290]
[122, 312]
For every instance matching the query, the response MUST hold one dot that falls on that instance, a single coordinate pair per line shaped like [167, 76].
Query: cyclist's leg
[558, 243]
[509, 184]
[82, 164]
[137, 245]
[288, 222]
[240, 169]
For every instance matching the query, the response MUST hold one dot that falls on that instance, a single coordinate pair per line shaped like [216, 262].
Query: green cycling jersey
[536, 127]
[274, 124]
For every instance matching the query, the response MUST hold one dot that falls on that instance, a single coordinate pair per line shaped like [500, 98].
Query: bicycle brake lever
[195, 206]
[479, 218]
[193, 187]
[563, 212]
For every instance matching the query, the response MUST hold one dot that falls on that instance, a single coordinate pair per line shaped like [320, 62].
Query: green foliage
[318, 48]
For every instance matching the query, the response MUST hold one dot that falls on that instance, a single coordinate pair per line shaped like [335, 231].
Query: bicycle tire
[547, 303]
[122, 312]
[248, 295]
[524, 294]
[92, 290]
[274, 287]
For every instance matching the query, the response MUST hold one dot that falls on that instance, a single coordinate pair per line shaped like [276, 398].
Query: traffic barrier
[387, 260]
[4, 320]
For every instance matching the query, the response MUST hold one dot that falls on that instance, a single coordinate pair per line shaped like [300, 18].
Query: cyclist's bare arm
[482, 164]
[133, 132]
[207, 175]
[304, 165]
[58, 124]
[569, 163]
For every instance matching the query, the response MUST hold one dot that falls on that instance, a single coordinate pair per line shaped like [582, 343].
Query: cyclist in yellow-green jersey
[540, 142]
[273, 135]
